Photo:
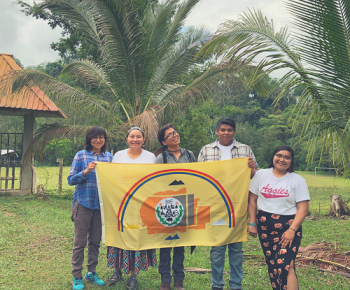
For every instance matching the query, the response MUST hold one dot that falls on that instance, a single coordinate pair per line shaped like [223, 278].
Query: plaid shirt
[86, 191]
[212, 152]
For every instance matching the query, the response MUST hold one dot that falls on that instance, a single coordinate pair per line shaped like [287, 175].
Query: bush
[58, 149]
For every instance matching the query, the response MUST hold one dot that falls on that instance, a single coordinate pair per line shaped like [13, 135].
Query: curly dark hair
[161, 132]
[93, 132]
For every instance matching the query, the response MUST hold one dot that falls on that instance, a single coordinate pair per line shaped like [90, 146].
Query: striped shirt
[86, 192]
[212, 152]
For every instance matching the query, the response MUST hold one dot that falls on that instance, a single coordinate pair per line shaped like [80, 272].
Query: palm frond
[83, 21]
[178, 60]
[91, 75]
[183, 10]
[318, 58]
[157, 22]
[21, 82]
[325, 47]
[148, 120]
[47, 132]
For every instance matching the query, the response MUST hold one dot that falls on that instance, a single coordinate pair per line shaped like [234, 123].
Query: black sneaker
[132, 283]
[117, 276]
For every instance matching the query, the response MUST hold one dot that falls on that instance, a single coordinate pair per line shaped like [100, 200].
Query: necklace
[174, 151]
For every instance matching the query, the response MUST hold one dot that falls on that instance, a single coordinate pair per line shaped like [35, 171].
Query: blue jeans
[178, 264]
[217, 259]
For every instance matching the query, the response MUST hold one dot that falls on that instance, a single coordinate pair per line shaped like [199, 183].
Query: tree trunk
[338, 206]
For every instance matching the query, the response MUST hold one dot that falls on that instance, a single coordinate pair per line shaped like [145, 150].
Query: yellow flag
[146, 206]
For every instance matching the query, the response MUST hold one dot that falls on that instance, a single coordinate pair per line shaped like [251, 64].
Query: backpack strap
[164, 157]
[189, 156]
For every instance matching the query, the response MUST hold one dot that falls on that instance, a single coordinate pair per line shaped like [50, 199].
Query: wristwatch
[252, 224]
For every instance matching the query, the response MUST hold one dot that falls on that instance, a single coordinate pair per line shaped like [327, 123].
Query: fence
[50, 177]
[10, 160]
[320, 199]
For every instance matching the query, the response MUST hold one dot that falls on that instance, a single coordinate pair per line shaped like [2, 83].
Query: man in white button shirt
[226, 147]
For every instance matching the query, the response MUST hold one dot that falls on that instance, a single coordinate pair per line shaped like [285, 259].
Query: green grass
[49, 177]
[323, 179]
[36, 238]
[46, 175]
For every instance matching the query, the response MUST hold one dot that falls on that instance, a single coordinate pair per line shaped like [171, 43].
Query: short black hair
[278, 149]
[161, 132]
[93, 132]
[226, 121]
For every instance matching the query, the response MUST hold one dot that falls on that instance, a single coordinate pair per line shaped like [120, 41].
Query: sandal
[116, 277]
[132, 283]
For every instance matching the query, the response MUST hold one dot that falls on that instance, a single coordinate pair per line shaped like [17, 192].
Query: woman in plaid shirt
[85, 211]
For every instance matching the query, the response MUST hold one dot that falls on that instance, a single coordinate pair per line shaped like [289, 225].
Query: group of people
[278, 204]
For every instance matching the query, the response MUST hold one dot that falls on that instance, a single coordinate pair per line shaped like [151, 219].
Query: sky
[29, 39]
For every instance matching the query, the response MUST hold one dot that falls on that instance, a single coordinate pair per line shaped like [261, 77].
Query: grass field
[36, 238]
[46, 175]
[324, 180]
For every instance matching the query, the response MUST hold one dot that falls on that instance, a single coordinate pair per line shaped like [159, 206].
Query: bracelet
[252, 224]
[292, 229]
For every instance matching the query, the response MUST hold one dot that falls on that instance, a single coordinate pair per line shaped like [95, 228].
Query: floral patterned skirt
[129, 260]
[278, 259]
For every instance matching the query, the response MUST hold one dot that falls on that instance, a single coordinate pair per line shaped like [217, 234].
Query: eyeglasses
[280, 156]
[174, 133]
[98, 137]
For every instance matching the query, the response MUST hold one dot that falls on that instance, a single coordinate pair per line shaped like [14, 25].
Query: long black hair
[278, 149]
[93, 132]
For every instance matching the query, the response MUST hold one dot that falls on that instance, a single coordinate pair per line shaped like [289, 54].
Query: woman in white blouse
[282, 199]
[131, 261]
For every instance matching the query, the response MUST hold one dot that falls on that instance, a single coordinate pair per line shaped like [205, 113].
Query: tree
[318, 59]
[142, 49]
[72, 45]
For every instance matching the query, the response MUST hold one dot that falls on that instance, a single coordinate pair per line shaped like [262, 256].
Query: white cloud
[27, 38]
[213, 12]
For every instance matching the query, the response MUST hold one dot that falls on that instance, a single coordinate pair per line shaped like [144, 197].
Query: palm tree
[143, 49]
[317, 58]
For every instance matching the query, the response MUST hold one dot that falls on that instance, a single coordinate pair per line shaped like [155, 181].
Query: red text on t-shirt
[269, 192]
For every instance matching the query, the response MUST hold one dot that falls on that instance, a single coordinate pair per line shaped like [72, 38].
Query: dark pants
[270, 229]
[178, 264]
[86, 221]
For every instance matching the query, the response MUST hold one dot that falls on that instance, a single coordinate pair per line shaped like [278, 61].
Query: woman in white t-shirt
[282, 199]
[131, 261]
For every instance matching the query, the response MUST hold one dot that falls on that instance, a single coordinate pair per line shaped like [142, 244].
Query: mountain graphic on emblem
[170, 238]
[219, 223]
[175, 182]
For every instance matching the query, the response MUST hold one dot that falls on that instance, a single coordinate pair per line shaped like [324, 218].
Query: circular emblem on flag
[169, 212]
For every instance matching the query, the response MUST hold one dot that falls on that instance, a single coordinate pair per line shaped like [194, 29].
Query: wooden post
[27, 165]
[60, 174]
